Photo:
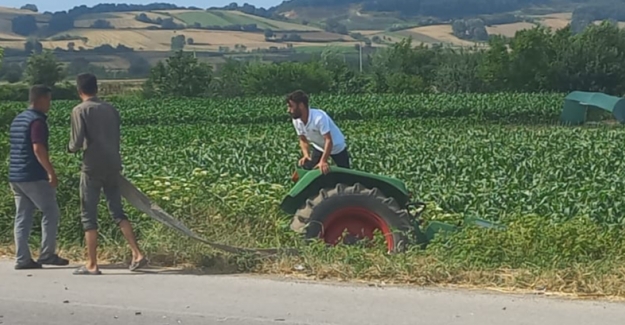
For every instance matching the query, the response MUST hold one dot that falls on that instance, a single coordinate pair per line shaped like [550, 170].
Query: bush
[19, 92]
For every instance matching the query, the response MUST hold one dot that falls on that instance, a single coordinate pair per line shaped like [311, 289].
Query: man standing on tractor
[95, 128]
[314, 125]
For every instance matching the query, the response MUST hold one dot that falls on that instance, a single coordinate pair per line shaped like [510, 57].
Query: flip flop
[83, 271]
[137, 265]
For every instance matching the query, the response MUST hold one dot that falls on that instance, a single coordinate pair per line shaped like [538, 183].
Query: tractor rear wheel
[358, 210]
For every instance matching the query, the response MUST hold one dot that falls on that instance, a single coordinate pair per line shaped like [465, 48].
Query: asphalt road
[55, 296]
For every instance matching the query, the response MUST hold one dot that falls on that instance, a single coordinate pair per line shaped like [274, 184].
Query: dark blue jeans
[341, 159]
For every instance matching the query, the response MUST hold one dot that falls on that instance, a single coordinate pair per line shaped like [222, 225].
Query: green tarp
[576, 106]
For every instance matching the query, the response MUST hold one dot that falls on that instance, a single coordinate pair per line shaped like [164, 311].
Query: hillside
[398, 11]
[124, 28]
[115, 35]
[147, 30]
[294, 23]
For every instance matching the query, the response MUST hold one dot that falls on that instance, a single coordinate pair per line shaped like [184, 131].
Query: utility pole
[360, 54]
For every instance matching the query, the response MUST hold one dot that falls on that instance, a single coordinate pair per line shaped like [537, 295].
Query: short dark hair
[87, 83]
[38, 91]
[298, 97]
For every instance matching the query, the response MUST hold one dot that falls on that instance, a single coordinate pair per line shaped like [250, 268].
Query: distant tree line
[42, 66]
[61, 21]
[536, 60]
[447, 9]
[122, 7]
[470, 29]
[601, 10]
[248, 9]
[169, 23]
[26, 25]
[30, 7]
[166, 23]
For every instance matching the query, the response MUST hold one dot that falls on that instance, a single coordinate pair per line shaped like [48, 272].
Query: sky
[59, 5]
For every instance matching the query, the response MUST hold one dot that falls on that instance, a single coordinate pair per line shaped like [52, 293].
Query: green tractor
[359, 203]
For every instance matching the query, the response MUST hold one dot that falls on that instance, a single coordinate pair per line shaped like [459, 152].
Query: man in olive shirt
[96, 130]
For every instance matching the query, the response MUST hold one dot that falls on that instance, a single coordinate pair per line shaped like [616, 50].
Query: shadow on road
[122, 269]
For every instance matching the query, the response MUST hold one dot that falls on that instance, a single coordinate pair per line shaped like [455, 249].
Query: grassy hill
[296, 26]
[142, 36]
[146, 36]
[230, 17]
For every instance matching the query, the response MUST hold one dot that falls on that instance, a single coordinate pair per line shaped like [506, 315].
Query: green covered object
[577, 104]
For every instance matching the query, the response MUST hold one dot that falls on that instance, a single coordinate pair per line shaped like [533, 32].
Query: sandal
[137, 265]
[83, 271]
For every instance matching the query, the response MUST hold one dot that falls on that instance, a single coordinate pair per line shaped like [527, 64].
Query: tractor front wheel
[357, 210]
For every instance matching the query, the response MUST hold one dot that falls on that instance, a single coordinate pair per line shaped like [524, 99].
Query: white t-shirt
[319, 123]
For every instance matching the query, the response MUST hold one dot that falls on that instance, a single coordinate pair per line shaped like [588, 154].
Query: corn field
[492, 156]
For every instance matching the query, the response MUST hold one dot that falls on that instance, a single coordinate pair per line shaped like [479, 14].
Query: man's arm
[44, 159]
[303, 144]
[327, 148]
[324, 129]
[77, 132]
[38, 136]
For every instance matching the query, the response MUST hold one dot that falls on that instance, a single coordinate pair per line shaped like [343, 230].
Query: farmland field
[226, 17]
[223, 166]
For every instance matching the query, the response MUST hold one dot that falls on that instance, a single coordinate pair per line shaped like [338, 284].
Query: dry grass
[555, 21]
[322, 37]
[281, 25]
[560, 15]
[369, 32]
[160, 40]
[576, 282]
[236, 17]
[16, 11]
[560, 20]
[119, 20]
[620, 23]
[508, 30]
[442, 33]
[310, 13]
[14, 44]
[11, 37]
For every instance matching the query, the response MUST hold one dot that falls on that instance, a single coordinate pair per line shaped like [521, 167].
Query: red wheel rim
[359, 223]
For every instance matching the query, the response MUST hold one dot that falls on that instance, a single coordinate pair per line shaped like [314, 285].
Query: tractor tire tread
[303, 215]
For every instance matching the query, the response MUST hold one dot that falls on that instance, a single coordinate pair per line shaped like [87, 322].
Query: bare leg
[89, 197]
[129, 234]
[91, 237]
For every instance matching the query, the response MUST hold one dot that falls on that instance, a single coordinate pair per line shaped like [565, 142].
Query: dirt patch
[441, 33]
[369, 32]
[508, 30]
[160, 40]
